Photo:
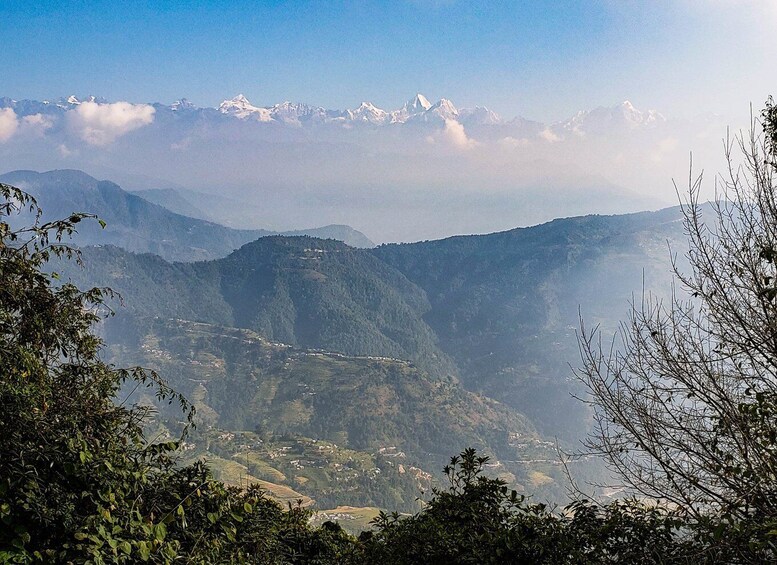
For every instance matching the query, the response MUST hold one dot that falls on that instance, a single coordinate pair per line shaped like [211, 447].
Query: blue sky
[543, 60]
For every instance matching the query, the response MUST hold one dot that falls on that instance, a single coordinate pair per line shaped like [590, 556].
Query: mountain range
[421, 347]
[417, 110]
[141, 222]
[425, 170]
[498, 311]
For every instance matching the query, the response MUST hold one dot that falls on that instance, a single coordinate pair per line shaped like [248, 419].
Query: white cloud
[453, 134]
[665, 147]
[102, 124]
[514, 142]
[36, 124]
[64, 151]
[549, 136]
[9, 123]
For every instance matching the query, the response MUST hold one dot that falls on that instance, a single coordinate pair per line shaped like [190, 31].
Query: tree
[685, 398]
[479, 520]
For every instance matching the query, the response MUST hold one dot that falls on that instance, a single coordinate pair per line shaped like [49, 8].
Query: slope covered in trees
[237, 380]
[499, 310]
[300, 291]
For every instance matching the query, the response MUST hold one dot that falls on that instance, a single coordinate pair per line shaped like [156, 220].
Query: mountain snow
[182, 104]
[240, 107]
[479, 115]
[622, 117]
[367, 112]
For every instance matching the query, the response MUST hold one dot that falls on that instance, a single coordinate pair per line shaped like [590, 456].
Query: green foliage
[479, 520]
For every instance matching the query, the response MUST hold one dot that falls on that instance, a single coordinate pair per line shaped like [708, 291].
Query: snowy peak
[444, 109]
[73, 101]
[293, 113]
[182, 104]
[417, 104]
[285, 112]
[238, 104]
[479, 115]
[367, 112]
[240, 107]
[413, 107]
[602, 120]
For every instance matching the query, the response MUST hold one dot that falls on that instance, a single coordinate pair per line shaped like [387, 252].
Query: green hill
[297, 290]
[500, 311]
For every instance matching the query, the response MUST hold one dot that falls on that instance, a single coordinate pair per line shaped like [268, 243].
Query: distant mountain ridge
[140, 225]
[506, 306]
[191, 203]
[417, 109]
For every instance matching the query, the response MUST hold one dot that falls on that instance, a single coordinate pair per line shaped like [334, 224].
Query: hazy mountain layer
[506, 306]
[137, 224]
[229, 211]
[423, 170]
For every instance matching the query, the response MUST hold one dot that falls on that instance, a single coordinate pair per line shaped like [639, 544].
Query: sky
[541, 60]
[699, 64]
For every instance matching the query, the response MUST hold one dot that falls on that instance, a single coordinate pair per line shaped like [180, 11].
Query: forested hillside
[300, 291]
[499, 311]
[238, 380]
[506, 306]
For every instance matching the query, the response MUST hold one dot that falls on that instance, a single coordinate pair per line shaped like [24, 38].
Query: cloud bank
[9, 123]
[101, 124]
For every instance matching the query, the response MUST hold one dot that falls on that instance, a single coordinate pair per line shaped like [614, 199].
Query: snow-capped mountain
[240, 107]
[418, 110]
[182, 105]
[479, 115]
[416, 105]
[623, 116]
[367, 112]
[294, 114]
[72, 101]
[439, 112]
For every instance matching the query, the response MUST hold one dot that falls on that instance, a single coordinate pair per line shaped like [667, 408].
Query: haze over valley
[387, 283]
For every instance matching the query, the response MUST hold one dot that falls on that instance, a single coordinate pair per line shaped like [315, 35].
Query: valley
[393, 358]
